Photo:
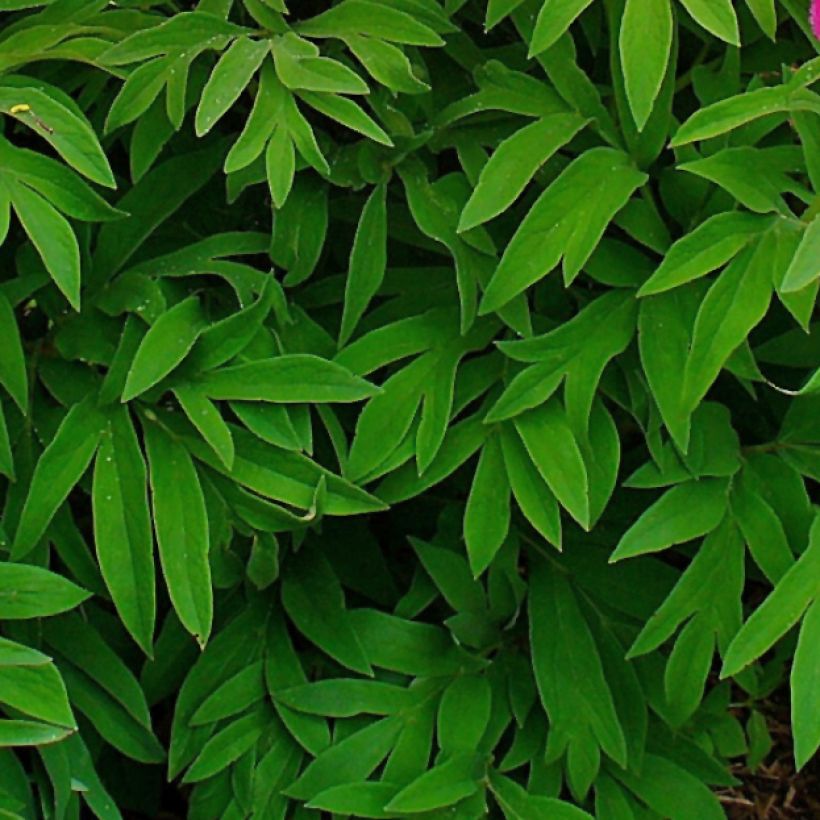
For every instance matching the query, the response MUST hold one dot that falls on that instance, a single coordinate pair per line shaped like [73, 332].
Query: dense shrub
[407, 409]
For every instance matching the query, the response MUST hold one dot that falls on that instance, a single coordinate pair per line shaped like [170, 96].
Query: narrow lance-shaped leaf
[567, 666]
[60, 467]
[228, 80]
[645, 58]
[181, 524]
[368, 261]
[487, 514]
[561, 226]
[164, 346]
[670, 520]
[33, 592]
[717, 17]
[514, 163]
[734, 305]
[280, 165]
[780, 611]
[290, 378]
[61, 125]
[710, 245]
[731, 113]
[206, 417]
[13, 375]
[553, 20]
[314, 600]
[554, 450]
[122, 528]
[805, 682]
[53, 237]
[805, 266]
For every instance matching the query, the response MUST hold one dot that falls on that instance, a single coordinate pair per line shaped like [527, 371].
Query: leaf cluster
[408, 408]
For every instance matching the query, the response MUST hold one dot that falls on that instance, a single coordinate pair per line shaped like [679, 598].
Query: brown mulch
[774, 791]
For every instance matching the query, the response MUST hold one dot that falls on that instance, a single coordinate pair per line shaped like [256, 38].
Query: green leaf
[228, 80]
[181, 525]
[669, 520]
[554, 450]
[313, 598]
[137, 94]
[38, 692]
[549, 232]
[805, 267]
[518, 804]
[709, 246]
[555, 17]
[122, 527]
[368, 261]
[226, 746]
[644, 59]
[280, 165]
[63, 127]
[364, 799]
[440, 786]
[373, 19]
[729, 169]
[530, 388]
[53, 237]
[290, 378]
[487, 514]
[514, 163]
[303, 136]
[238, 693]
[32, 592]
[451, 575]
[299, 67]
[779, 612]
[347, 113]
[669, 316]
[349, 760]
[463, 714]
[386, 63]
[164, 346]
[688, 667]
[531, 492]
[731, 113]
[765, 13]
[63, 188]
[762, 530]
[180, 31]
[805, 679]
[13, 374]
[59, 468]
[285, 476]
[76, 639]
[732, 307]
[408, 647]
[205, 416]
[6, 456]
[567, 666]
[717, 17]
[261, 122]
[342, 698]
[720, 556]
[29, 733]
[300, 226]
[221, 341]
[670, 790]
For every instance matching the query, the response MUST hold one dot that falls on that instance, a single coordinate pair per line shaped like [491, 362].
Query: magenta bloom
[814, 16]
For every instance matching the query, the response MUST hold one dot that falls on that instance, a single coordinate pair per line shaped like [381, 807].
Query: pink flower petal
[814, 16]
